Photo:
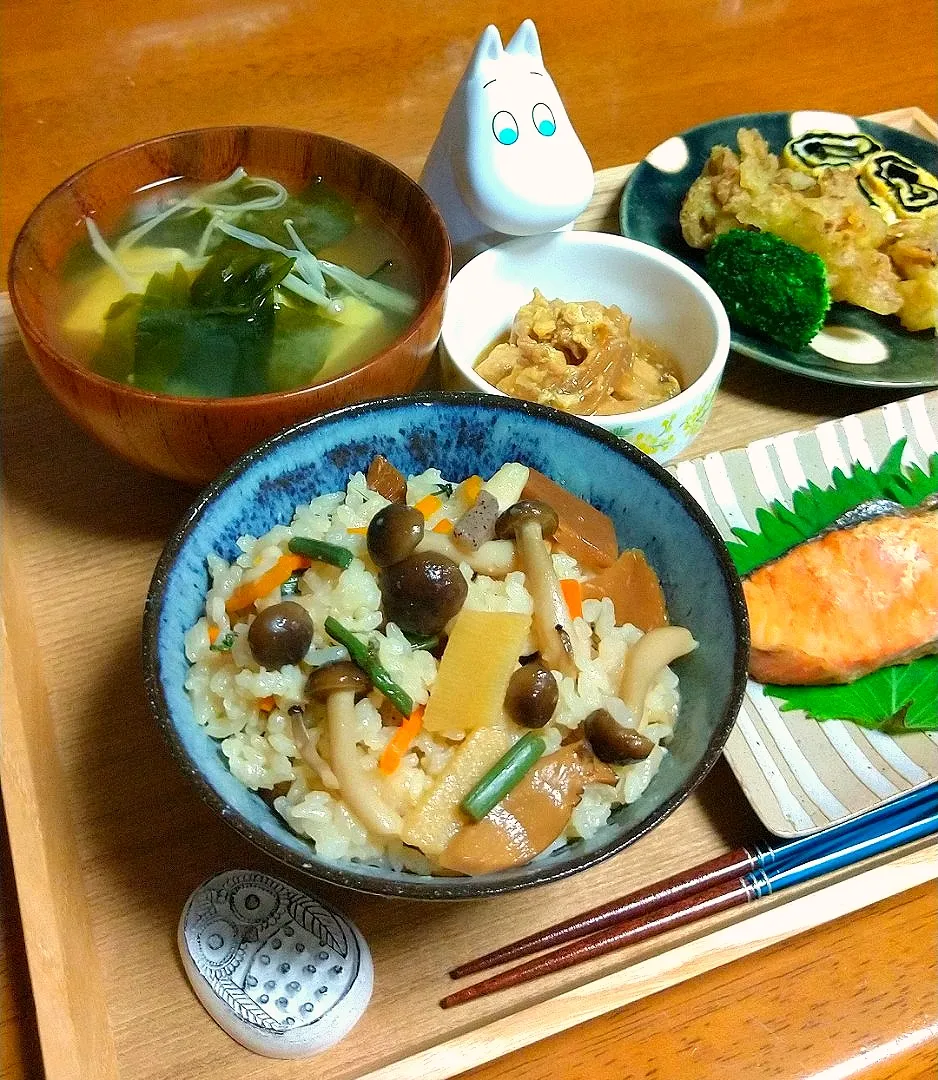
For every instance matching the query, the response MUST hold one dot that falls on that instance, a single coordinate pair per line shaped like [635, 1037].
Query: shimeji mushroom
[530, 524]
[394, 533]
[614, 743]
[338, 685]
[494, 558]
[647, 658]
[281, 635]
[422, 592]
[308, 751]
[532, 695]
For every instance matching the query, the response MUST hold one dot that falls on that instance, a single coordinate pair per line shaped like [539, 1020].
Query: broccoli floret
[769, 285]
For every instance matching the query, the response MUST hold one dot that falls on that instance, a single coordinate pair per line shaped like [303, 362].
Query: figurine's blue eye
[505, 128]
[543, 119]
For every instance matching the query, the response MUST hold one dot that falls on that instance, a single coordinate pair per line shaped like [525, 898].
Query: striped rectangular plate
[801, 775]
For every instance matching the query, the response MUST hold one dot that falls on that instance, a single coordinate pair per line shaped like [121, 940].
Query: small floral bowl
[670, 304]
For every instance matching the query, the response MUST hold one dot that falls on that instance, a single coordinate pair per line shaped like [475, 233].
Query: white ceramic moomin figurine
[507, 160]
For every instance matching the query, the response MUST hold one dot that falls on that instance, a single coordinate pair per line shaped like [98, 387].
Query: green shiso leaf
[814, 509]
[899, 698]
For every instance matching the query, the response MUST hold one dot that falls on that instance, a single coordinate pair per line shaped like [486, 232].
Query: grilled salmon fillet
[860, 596]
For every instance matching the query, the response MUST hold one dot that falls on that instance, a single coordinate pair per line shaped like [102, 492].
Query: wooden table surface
[81, 78]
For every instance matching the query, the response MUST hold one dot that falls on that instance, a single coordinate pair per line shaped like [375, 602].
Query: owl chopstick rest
[279, 971]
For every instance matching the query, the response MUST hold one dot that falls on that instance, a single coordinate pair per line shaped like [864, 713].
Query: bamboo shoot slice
[507, 484]
[472, 679]
[437, 818]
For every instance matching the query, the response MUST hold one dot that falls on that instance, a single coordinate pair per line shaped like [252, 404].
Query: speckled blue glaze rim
[300, 855]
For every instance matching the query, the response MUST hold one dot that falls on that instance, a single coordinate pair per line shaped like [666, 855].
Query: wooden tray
[108, 839]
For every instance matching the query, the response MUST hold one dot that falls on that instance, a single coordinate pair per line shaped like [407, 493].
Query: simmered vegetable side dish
[580, 357]
[436, 676]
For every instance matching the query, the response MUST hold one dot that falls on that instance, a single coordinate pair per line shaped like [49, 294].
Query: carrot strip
[213, 632]
[444, 525]
[470, 488]
[428, 505]
[267, 704]
[271, 579]
[400, 742]
[573, 595]
[357, 530]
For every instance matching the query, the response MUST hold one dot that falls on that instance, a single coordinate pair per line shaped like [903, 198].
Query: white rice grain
[230, 692]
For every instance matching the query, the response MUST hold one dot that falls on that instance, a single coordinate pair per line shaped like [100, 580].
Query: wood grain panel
[77, 84]
[791, 1000]
[19, 1035]
[71, 1006]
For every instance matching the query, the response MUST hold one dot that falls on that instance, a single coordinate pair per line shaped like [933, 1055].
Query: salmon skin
[859, 596]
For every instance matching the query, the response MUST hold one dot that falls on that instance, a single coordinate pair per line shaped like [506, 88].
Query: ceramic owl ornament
[507, 161]
[281, 972]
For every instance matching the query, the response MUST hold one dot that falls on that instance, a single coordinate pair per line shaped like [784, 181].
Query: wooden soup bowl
[193, 439]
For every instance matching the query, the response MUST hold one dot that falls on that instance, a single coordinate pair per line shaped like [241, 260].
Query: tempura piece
[912, 244]
[826, 214]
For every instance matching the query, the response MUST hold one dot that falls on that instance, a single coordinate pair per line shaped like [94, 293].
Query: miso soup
[237, 287]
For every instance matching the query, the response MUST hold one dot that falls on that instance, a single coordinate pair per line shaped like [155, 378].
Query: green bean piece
[321, 551]
[364, 657]
[225, 644]
[423, 641]
[504, 776]
[292, 585]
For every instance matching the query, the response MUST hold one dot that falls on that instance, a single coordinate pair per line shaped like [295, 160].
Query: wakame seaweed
[299, 347]
[319, 215]
[236, 281]
[226, 292]
[210, 338]
[192, 353]
[115, 358]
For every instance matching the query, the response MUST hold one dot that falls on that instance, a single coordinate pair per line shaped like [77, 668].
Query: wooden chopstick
[726, 867]
[734, 864]
[688, 909]
[902, 823]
